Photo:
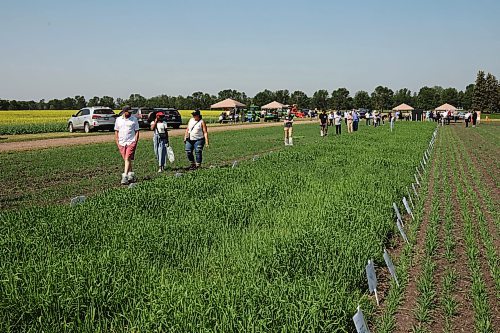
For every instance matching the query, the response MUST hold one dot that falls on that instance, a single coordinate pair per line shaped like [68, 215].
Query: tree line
[484, 96]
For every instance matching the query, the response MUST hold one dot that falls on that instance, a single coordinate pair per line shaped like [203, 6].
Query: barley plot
[277, 244]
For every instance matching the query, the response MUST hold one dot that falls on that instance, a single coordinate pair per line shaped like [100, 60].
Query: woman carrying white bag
[160, 141]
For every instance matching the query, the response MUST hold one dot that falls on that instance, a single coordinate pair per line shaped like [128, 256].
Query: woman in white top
[195, 138]
[160, 139]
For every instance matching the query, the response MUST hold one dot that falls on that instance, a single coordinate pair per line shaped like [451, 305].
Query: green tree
[68, 104]
[362, 100]
[282, 96]
[427, 98]
[341, 100]
[135, 100]
[300, 98]
[94, 101]
[320, 99]
[382, 98]
[80, 102]
[491, 93]
[468, 95]
[264, 97]
[402, 96]
[107, 101]
[479, 100]
[449, 95]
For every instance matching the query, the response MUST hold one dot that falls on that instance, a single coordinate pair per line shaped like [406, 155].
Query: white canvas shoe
[290, 142]
[131, 177]
[124, 180]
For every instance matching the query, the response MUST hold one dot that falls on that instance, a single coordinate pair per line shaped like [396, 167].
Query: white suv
[93, 118]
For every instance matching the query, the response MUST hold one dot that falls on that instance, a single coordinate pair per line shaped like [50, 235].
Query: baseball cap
[196, 112]
[160, 114]
[126, 108]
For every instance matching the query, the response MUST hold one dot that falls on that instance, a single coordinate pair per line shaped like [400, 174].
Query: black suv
[142, 115]
[172, 116]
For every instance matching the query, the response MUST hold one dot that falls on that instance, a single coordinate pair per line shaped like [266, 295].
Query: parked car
[172, 116]
[142, 115]
[362, 112]
[93, 118]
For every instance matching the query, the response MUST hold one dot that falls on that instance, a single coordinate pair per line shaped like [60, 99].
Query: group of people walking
[127, 136]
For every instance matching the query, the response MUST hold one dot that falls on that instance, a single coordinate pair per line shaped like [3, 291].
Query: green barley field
[276, 244]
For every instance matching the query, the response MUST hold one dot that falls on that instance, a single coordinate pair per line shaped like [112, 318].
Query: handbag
[170, 154]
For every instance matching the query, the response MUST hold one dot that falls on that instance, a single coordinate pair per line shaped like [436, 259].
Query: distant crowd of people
[445, 117]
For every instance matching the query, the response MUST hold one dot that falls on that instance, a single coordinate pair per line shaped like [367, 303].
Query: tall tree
[264, 97]
[80, 102]
[427, 98]
[107, 101]
[94, 101]
[479, 101]
[282, 96]
[382, 98]
[300, 98]
[340, 99]
[362, 100]
[491, 93]
[135, 100]
[402, 96]
[320, 99]
[449, 95]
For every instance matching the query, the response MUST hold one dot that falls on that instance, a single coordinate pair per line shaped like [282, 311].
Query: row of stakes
[371, 276]
[81, 198]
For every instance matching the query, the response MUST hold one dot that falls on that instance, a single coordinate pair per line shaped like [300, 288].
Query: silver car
[93, 118]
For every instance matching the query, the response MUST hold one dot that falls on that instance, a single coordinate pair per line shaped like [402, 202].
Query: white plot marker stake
[360, 322]
[235, 163]
[390, 266]
[77, 200]
[419, 174]
[372, 279]
[416, 179]
[409, 196]
[414, 189]
[408, 209]
[398, 215]
[402, 231]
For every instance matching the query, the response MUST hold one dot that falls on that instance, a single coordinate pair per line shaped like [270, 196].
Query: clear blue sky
[59, 48]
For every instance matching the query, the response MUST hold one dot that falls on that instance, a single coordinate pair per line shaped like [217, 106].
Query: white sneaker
[131, 177]
[160, 170]
[124, 180]
[290, 142]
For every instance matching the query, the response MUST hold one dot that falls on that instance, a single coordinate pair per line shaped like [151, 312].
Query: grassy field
[275, 244]
[49, 121]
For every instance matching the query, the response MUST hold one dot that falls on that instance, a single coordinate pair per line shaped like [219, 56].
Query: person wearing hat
[160, 139]
[126, 138]
[195, 138]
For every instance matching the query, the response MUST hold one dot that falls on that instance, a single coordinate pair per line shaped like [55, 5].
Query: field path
[84, 140]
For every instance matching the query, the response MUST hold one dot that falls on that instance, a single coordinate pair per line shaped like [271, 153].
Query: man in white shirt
[126, 137]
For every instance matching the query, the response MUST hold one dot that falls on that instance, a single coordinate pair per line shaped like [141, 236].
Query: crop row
[478, 289]
[282, 250]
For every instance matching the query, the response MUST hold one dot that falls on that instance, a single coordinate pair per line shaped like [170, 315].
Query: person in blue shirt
[355, 120]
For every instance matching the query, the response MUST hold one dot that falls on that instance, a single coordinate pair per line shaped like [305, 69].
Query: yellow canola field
[19, 117]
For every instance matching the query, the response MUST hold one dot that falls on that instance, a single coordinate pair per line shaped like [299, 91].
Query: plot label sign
[359, 322]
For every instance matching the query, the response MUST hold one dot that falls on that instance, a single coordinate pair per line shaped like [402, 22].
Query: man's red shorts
[128, 152]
